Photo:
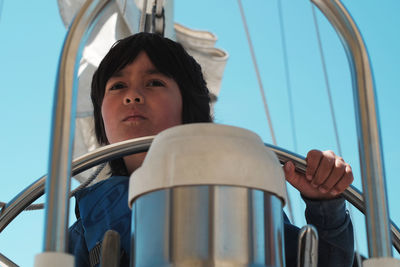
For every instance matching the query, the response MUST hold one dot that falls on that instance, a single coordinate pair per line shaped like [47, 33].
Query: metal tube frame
[138, 145]
[371, 160]
[63, 122]
[307, 253]
[4, 261]
[372, 169]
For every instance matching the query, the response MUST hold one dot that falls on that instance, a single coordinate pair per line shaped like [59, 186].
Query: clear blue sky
[31, 37]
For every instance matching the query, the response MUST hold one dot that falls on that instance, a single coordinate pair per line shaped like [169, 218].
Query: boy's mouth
[134, 118]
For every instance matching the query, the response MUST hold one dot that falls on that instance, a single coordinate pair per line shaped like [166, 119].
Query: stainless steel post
[307, 254]
[371, 161]
[63, 125]
[110, 249]
[207, 225]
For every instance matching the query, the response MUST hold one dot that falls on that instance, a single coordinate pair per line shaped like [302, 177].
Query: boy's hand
[327, 175]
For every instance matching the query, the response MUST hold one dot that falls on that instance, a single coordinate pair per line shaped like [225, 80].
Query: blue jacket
[104, 206]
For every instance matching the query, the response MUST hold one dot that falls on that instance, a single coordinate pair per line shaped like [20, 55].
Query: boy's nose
[134, 97]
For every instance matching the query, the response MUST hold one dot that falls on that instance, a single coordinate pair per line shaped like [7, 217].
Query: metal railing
[4, 261]
[368, 135]
[138, 145]
[371, 162]
[377, 220]
[63, 126]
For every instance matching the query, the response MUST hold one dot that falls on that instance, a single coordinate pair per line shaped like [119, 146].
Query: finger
[336, 174]
[313, 159]
[289, 169]
[344, 182]
[290, 173]
[324, 169]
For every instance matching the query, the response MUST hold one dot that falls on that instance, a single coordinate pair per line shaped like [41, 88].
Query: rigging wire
[289, 89]
[287, 74]
[327, 86]
[1, 8]
[250, 43]
[257, 72]
[332, 111]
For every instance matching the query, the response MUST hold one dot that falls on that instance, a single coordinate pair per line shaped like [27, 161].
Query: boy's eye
[155, 83]
[116, 86]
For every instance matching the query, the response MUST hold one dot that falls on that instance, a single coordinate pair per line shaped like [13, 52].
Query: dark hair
[171, 59]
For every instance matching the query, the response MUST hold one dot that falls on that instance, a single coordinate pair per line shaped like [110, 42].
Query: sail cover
[119, 19]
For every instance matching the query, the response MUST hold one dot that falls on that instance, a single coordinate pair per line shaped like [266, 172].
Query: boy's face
[140, 101]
